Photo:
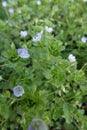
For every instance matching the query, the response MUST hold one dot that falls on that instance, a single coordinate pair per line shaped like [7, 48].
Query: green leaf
[67, 114]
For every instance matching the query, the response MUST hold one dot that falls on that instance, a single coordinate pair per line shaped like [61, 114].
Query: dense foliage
[43, 64]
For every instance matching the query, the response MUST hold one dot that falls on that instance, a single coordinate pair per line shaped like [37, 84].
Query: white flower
[38, 2]
[37, 37]
[84, 39]
[84, 0]
[11, 10]
[23, 33]
[4, 3]
[71, 58]
[49, 29]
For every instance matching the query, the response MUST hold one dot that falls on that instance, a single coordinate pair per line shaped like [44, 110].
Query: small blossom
[4, 3]
[37, 124]
[49, 29]
[11, 10]
[38, 2]
[84, 39]
[23, 53]
[18, 91]
[37, 37]
[71, 58]
[23, 33]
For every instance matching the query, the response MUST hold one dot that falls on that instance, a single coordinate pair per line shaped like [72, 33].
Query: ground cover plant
[43, 65]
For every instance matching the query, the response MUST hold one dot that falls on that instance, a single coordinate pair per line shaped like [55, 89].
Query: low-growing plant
[43, 65]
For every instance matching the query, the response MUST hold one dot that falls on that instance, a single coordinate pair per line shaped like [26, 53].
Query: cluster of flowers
[10, 10]
[71, 57]
[18, 91]
[23, 52]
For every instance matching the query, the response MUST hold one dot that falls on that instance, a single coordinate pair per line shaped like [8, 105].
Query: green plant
[43, 63]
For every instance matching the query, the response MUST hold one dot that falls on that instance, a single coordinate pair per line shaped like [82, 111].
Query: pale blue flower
[23, 53]
[18, 91]
[23, 33]
[71, 58]
[4, 3]
[37, 124]
[11, 10]
[84, 39]
[49, 29]
[37, 37]
[38, 2]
